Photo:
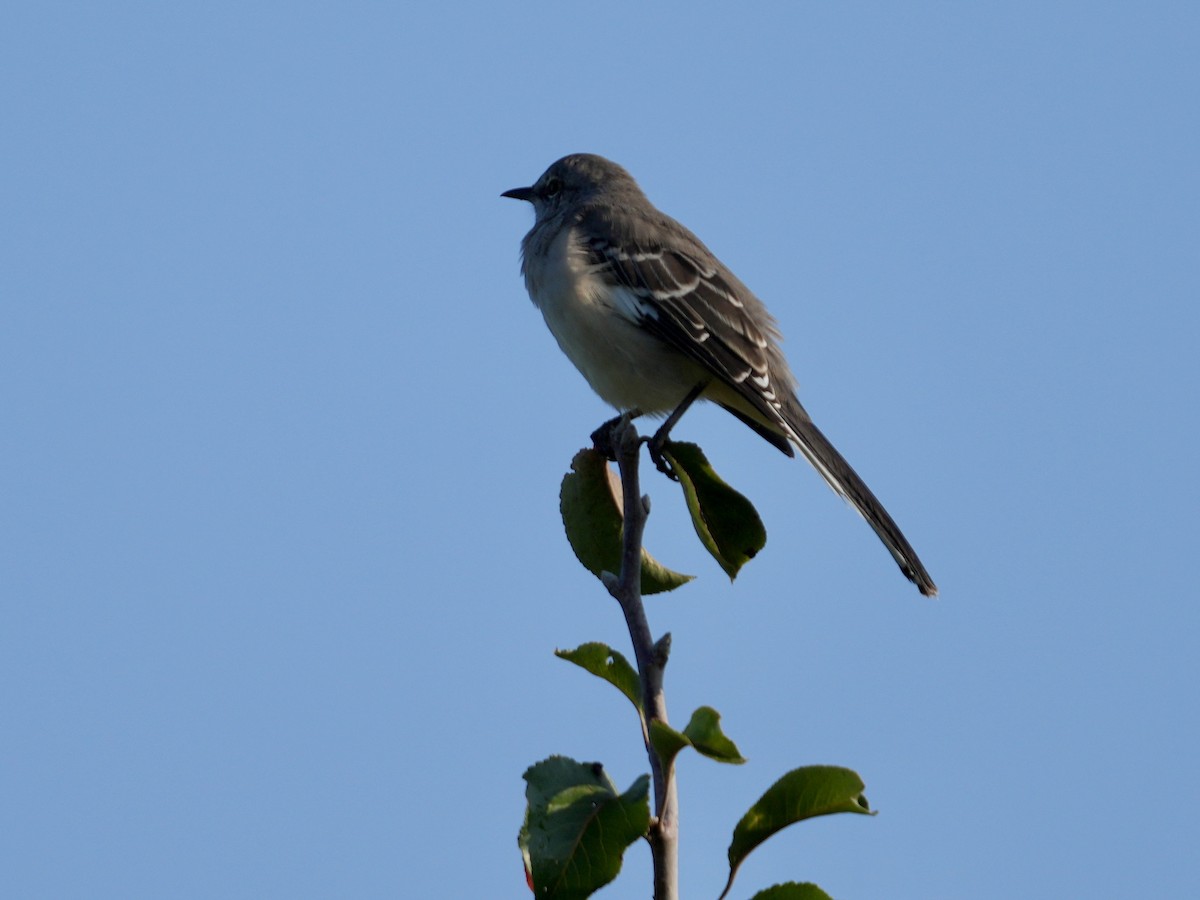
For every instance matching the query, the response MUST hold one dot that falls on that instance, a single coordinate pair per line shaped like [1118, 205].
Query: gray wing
[693, 305]
[689, 301]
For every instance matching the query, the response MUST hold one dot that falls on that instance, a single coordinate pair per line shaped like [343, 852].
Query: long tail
[842, 478]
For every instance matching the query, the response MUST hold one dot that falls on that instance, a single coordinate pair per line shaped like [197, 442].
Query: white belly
[625, 365]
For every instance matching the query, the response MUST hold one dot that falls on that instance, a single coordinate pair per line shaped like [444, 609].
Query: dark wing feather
[691, 305]
[690, 302]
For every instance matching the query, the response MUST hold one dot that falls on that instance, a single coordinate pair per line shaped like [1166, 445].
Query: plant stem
[651, 659]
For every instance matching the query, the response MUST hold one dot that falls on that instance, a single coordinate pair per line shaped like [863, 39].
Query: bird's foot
[658, 444]
[607, 437]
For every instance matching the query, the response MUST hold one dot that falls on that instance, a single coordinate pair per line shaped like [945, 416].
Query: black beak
[520, 194]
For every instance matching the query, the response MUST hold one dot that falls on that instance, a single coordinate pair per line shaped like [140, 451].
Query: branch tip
[662, 649]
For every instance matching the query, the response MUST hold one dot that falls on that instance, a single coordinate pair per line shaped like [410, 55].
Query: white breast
[595, 324]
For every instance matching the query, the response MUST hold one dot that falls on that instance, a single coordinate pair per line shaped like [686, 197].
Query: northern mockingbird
[654, 321]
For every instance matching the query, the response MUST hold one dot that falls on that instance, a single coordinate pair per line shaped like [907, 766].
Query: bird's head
[573, 180]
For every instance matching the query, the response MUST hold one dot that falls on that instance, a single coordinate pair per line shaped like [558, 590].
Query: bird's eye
[553, 186]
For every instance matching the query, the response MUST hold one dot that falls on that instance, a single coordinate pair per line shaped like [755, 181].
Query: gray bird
[653, 320]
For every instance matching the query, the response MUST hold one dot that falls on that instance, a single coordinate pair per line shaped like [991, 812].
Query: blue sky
[281, 569]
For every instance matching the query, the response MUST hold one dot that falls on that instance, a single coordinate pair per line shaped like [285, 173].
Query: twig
[625, 445]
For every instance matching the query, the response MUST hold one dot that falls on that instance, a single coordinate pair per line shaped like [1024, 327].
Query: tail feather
[840, 476]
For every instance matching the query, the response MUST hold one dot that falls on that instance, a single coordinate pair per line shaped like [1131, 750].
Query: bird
[653, 321]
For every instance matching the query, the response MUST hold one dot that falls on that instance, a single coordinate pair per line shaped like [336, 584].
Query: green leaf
[792, 891]
[590, 502]
[703, 733]
[800, 794]
[577, 826]
[667, 742]
[605, 662]
[726, 522]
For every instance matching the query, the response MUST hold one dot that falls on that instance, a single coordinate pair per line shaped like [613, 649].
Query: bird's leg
[659, 441]
[602, 437]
